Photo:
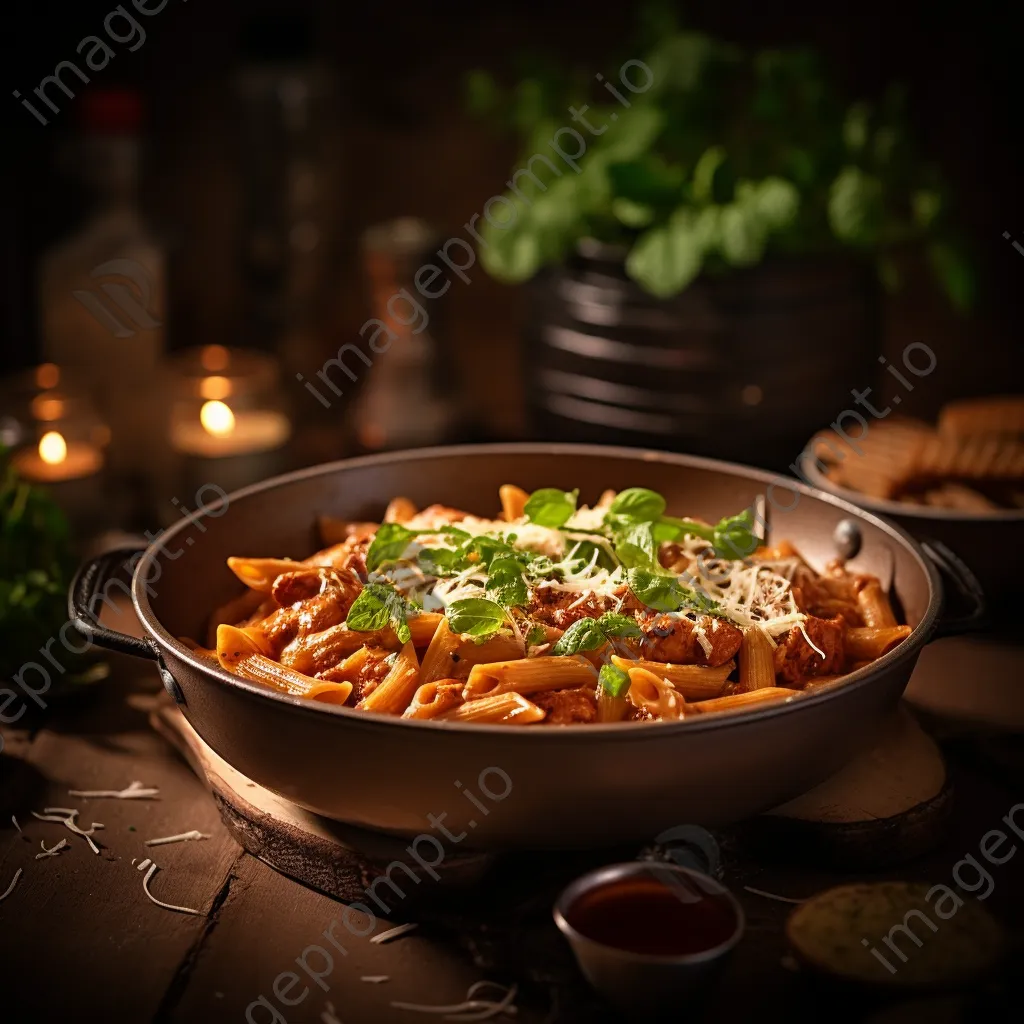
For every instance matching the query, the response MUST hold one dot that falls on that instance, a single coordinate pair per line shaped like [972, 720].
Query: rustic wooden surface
[79, 941]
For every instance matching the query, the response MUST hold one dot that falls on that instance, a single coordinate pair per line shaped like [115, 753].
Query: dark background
[409, 147]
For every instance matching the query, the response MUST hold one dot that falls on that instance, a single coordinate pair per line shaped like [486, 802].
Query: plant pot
[742, 366]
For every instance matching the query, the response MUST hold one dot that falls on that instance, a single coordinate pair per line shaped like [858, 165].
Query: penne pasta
[399, 510]
[259, 573]
[333, 532]
[450, 656]
[609, 708]
[433, 699]
[528, 675]
[742, 701]
[757, 660]
[592, 583]
[239, 653]
[874, 606]
[870, 643]
[395, 692]
[654, 694]
[330, 693]
[424, 626]
[499, 709]
[513, 502]
[694, 682]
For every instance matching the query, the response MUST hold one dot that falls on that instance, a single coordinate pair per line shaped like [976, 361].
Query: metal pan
[501, 786]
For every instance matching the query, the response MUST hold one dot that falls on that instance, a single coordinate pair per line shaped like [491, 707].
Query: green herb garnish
[388, 545]
[590, 634]
[475, 616]
[582, 635]
[551, 507]
[505, 583]
[665, 593]
[613, 680]
[377, 606]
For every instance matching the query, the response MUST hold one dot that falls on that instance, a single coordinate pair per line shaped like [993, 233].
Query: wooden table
[80, 941]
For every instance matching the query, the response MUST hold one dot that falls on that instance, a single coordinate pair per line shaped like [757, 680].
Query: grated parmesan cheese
[167, 906]
[135, 791]
[393, 933]
[181, 838]
[473, 1007]
[53, 850]
[14, 881]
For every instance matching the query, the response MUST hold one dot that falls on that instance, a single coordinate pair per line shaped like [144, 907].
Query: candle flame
[217, 418]
[53, 448]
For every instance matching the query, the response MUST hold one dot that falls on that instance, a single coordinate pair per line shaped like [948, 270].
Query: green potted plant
[36, 565]
[725, 222]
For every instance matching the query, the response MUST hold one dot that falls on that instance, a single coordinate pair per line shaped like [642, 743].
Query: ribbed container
[743, 366]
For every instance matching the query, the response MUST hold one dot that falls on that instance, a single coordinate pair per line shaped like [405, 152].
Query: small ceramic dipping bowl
[646, 933]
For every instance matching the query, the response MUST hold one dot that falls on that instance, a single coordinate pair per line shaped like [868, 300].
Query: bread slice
[890, 934]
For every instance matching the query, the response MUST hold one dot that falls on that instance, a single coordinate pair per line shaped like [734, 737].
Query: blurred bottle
[410, 396]
[103, 290]
[287, 108]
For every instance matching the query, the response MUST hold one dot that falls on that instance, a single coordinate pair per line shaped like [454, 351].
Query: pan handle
[953, 569]
[89, 584]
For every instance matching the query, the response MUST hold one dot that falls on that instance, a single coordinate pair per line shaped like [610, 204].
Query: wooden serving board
[889, 804]
[338, 859]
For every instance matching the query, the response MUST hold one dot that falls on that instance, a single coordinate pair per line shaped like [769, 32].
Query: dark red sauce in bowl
[645, 915]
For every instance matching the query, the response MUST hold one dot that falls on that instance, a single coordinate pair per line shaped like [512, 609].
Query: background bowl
[989, 543]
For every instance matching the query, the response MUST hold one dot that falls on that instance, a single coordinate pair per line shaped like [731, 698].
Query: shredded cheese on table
[14, 881]
[16, 825]
[53, 850]
[167, 906]
[472, 1008]
[182, 838]
[135, 791]
[375, 979]
[393, 933]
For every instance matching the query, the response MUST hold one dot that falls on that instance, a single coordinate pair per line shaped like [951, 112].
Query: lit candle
[54, 460]
[221, 432]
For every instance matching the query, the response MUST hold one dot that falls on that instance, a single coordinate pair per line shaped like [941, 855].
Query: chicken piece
[369, 669]
[796, 659]
[328, 607]
[672, 637]
[350, 555]
[561, 608]
[567, 707]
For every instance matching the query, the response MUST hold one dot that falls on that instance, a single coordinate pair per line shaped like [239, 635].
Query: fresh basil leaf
[582, 635]
[505, 583]
[656, 590]
[639, 504]
[376, 607]
[482, 550]
[636, 548]
[550, 506]
[537, 635]
[734, 536]
[475, 616]
[613, 624]
[666, 529]
[388, 544]
[454, 533]
[613, 680]
[440, 561]
[665, 593]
